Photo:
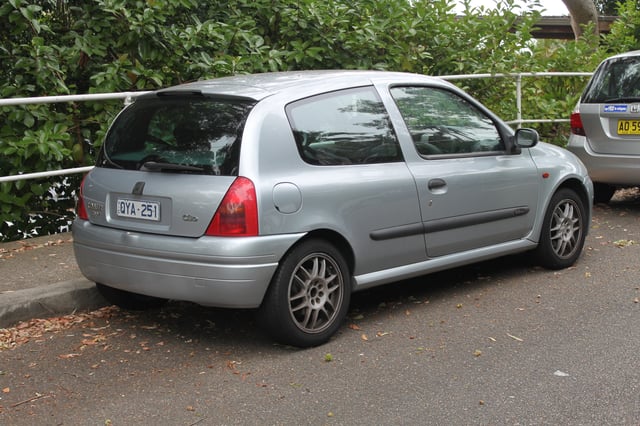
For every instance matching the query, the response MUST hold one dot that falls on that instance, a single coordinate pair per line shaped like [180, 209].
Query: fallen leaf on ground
[624, 243]
[231, 365]
[68, 356]
[25, 331]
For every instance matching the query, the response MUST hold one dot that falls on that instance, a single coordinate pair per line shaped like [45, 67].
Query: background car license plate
[629, 127]
[138, 209]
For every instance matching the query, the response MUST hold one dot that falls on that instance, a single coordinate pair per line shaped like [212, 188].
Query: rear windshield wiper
[156, 166]
[623, 99]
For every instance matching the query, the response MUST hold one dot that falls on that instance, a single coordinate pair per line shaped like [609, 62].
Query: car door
[472, 192]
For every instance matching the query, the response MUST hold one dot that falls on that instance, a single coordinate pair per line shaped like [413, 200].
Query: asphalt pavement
[39, 278]
[502, 342]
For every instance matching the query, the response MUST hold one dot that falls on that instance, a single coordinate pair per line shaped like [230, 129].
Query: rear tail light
[81, 210]
[576, 124]
[237, 215]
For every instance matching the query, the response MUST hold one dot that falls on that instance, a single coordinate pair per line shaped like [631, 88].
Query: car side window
[344, 127]
[443, 123]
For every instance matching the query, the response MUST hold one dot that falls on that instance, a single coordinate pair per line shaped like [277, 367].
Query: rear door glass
[177, 134]
[344, 127]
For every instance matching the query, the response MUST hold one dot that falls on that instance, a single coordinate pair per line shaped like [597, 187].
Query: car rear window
[186, 134]
[617, 80]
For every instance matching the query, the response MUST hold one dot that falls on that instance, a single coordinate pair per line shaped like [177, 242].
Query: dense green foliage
[57, 47]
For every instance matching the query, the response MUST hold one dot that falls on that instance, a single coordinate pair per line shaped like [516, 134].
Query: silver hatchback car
[605, 126]
[286, 192]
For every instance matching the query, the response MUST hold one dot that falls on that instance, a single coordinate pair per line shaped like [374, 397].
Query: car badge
[189, 218]
[138, 188]
[635, 108]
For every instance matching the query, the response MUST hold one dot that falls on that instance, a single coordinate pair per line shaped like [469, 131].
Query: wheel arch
[574, 184]
[578, 187]
[337, 240]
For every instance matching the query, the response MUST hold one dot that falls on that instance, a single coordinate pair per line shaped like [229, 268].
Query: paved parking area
[502, 342]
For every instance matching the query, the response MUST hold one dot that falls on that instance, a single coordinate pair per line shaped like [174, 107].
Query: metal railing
[128, 97]
[518, 77]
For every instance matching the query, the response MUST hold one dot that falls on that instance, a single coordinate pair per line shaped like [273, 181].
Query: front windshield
[190, 134]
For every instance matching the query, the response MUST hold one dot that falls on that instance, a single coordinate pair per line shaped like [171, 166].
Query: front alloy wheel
[309, 295]
[563, 231]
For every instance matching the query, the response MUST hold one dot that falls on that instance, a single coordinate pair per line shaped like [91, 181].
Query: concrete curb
[56, 299]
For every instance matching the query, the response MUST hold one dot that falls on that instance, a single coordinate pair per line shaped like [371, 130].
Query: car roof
[624, 55]
[259, 86]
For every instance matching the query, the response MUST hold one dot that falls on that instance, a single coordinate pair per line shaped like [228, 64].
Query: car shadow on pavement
[237, 330]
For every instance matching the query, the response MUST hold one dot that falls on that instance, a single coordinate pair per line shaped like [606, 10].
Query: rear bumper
[620, 170]
[211, 271]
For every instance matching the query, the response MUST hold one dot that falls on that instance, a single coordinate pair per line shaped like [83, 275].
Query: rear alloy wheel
[128, 300]
[563, 231]
[309, 295]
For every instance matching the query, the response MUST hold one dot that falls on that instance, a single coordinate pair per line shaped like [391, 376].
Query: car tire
[127, 300]
[309, 295]
[602, 192]
[563, 231]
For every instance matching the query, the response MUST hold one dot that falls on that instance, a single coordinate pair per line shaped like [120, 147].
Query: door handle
[436, 184]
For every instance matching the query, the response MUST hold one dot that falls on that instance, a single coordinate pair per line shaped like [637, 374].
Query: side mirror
[526, 138]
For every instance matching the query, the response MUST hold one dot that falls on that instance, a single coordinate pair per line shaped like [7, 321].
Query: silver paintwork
[353, 205]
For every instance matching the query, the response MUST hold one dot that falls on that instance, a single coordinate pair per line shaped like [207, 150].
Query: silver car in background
[286, 192]
[605, 126]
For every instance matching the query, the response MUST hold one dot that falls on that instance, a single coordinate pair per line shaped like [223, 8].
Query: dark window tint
[441, 122]
[177, 134]
[617, 80]
[345, 127]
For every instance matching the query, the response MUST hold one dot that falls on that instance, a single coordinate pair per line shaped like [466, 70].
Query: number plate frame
[628, 127]
[138, 209]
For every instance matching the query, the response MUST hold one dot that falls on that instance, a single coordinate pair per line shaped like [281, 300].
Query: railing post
[519, 99]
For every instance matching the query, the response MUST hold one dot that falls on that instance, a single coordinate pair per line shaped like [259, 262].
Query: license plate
[138, 209]
[629, 127]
